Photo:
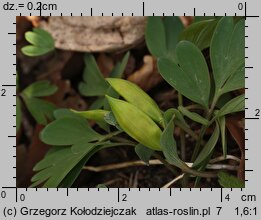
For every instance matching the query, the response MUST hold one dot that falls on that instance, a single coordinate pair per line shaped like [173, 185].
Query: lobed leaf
[40, 89]
[227, 53]
[68, 131]
[41, 42]
[33, 51]
[58, 163]
[94, 83]
[41, 110]
[190, 77]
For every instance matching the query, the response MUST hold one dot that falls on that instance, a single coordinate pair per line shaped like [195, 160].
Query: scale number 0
[240, 6]
[3, 194]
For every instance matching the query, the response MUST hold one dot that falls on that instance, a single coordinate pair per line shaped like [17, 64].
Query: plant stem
[204, 128]
[109, 136]
[167, 165]
[182, 134]
[189, 131]
[182, 142]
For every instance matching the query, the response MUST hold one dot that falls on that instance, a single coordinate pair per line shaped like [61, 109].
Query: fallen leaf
[236, 127]
[147, 76]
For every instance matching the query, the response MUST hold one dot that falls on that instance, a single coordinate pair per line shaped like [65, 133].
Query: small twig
[195, 106]
[173, 181]
[120, 165]
[222, 158]
[108, 167]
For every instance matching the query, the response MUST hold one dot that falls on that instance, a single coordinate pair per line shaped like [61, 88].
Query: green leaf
[178, 116]
[94, 83]
[68, 131]
[101, 186]
[68, 181]
[57, 164]
[222, 125]
[155, 37]
[74, 173]
[235, 81]
[97, 104]
[33, 51]
[18, 114]
[144, 153]
[60, 166]
[41, 110]
[227, 53]
[39, 38]
[42, 42]
[161, 37]
[208, 148]
[40, 89]
[173, 27]
[119, 68]
[202, 18]
[229, 181]
[200, 33]
[169, 146]
[190, 77]
[236, 104]
[193, 116]
[65, 113]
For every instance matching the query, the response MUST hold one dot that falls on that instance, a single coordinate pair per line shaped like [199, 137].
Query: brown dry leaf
[186, 20]
[166, 99]
[236, 126]
[34, 153]
[105, 64]
[147, 76]
[35, 20]
[95, 34]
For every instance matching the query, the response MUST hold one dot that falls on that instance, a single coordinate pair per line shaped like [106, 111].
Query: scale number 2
[3, 91]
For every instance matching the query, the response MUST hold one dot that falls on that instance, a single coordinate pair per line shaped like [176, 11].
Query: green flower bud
[136, 96]
[95, 115]
[136, 123]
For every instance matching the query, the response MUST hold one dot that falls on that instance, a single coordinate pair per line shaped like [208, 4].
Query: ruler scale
[119, 203]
